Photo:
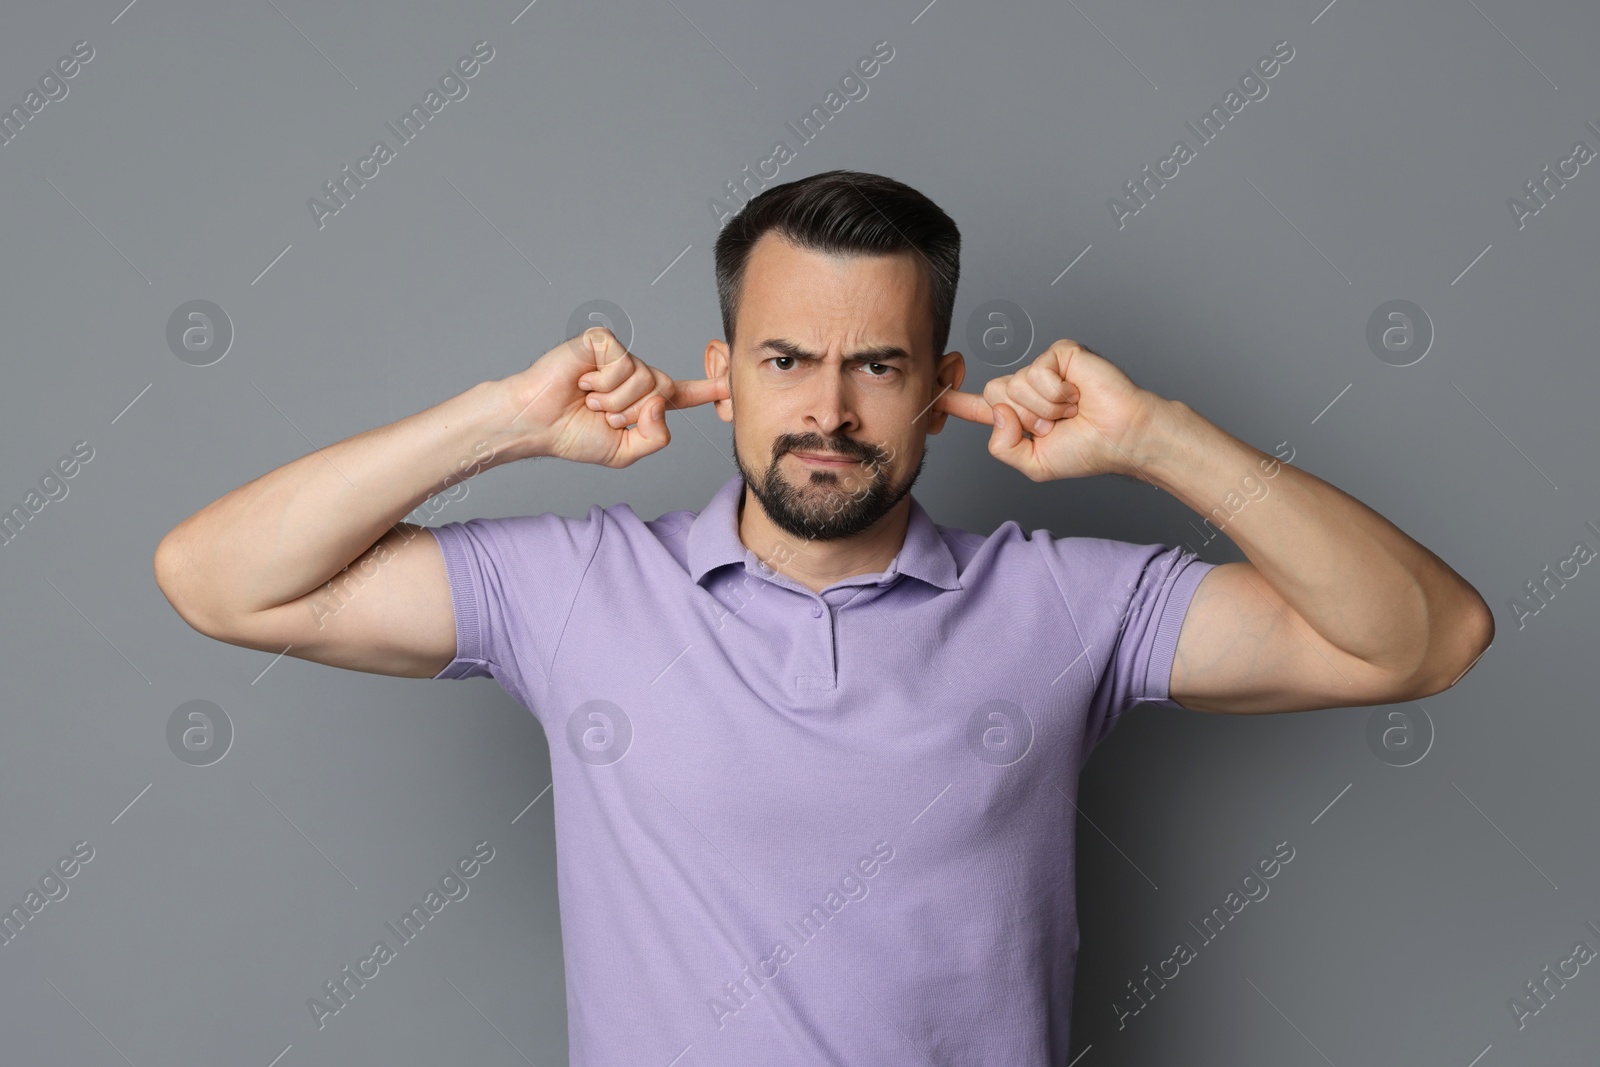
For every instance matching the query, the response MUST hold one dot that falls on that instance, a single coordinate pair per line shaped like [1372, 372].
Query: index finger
[694, 392]
[969, 406]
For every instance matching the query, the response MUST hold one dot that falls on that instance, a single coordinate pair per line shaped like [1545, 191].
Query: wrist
[501, 417]
[1154, 436]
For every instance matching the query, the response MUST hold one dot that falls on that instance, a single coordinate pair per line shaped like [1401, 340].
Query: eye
[775, 359]
[888, 369]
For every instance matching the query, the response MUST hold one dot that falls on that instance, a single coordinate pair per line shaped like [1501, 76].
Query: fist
[1081, 411]
[590, 400]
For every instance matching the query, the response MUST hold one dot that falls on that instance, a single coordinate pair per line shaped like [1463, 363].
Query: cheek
[755, 439]
[895, 456]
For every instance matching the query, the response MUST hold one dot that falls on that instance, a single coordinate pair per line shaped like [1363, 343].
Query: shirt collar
[714, 541]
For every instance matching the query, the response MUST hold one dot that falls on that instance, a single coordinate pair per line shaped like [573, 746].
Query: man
[814, 754]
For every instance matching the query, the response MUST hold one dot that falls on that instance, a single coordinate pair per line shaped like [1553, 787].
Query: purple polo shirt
[796, 828]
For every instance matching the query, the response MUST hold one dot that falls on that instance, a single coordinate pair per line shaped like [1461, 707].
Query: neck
[818, 564]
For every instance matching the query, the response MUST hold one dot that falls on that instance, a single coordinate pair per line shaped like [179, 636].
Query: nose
[831, 404]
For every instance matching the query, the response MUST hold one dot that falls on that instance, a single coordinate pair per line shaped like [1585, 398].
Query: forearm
[290, 530]
[1355, 577]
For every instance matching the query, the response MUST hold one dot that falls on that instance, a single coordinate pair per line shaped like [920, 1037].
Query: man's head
[837, 293]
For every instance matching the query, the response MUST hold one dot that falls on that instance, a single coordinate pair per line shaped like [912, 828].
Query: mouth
[828, 460]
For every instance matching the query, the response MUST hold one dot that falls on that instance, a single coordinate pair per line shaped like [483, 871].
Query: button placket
[821, 640]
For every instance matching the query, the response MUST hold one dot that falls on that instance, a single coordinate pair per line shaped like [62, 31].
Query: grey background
[579, 166]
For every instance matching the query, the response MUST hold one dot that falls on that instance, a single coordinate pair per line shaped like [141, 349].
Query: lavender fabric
[801, 828]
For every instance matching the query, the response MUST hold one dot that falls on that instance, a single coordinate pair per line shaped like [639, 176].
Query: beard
[829, 504]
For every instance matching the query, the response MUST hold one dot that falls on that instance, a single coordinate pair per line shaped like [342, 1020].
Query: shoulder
[614, 532]
[521, 528]
[1012, 546]
[1106, 567]
[513, 539]
[1081, 569]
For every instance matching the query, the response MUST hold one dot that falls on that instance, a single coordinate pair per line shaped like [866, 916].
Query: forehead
[814, 297]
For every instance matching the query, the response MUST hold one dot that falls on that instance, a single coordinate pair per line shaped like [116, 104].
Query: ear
[719, 363]
[952, 369]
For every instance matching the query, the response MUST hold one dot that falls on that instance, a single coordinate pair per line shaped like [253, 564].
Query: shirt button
[816, 611]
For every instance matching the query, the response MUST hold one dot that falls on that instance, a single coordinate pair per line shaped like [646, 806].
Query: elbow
[1460, 651]
[167, 563]
[172, 570]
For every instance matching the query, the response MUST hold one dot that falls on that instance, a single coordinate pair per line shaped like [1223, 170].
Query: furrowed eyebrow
[876, 354]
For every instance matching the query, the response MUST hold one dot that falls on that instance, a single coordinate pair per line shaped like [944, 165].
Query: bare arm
[309, 557]
[1336, 607]
[265, 565]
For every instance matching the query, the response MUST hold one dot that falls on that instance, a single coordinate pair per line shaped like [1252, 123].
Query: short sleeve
[1127, 603]
[1147, 640]
[513, 582]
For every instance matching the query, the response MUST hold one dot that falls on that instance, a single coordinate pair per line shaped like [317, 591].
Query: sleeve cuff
[469, 658]
[1180, 592]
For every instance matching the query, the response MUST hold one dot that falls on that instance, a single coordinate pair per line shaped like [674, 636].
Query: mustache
[838, 446]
